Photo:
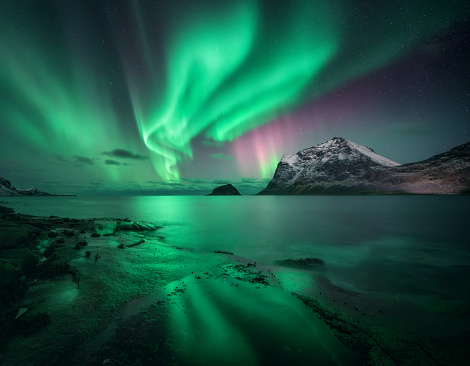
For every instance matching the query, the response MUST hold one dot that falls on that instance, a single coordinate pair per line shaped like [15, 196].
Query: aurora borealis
[213, 66]
[175, 96]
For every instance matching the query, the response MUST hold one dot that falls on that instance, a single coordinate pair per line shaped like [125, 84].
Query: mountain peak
[337, 148]
[339, 166]
[6, 189]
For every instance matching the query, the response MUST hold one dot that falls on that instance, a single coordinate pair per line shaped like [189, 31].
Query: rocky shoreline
[113, 292]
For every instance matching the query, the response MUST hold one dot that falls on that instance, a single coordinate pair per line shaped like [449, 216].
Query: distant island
[8, 190]
[339, 166]
[225, 190]
[342, 167]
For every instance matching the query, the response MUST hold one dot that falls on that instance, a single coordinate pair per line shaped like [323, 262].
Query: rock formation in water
[339, 166]
[7, 190]
[225, 190]
[303, 263]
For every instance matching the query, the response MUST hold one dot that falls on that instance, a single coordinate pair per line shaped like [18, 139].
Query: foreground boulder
[305, 263]
[135, 226]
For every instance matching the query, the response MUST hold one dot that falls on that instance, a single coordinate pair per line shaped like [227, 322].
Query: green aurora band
[53, 111]
[213, 70]
[224, 80]
[52, 99]
[229, 70]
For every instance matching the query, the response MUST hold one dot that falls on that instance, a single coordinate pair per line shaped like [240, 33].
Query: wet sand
[114, 292]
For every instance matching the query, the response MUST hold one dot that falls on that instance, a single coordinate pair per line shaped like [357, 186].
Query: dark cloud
[220, 156]
[111, 162]
[83, 160]
[255, 180]
[194, 180]
[209, 143]
[124, 154]
[60, 158]
[249, 180]
[221, 181]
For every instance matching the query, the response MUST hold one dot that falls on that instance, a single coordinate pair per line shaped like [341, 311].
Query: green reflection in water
[226, 321]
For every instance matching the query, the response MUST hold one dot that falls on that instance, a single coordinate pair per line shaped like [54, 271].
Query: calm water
[389, 244]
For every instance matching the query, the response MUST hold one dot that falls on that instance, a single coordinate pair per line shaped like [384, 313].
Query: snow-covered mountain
[339, 166]
[7, 190]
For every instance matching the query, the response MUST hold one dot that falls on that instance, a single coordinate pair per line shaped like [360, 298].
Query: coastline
[136, 298]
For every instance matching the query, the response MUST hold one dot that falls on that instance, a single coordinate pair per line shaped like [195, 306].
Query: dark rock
[222, 252]
[80, 245]
[40, 225]
[8, 274]
[225, 190]
[68, 233]
[22, 258]
[305, 263]
[50, 269]
[134, 226]
[50, 250]
[16, 234]
[30, 324]
[6, 210]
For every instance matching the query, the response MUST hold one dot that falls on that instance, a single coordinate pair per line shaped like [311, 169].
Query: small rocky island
[225, 190]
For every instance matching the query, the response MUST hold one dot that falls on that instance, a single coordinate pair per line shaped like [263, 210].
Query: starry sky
[179, 96]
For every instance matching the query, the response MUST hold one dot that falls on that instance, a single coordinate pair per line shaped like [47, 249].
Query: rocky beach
[115, 292]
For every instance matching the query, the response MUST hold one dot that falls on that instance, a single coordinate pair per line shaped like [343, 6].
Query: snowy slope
[331, 158]
[337, 148]
[371, 154]
[7, 190]
[339, 166]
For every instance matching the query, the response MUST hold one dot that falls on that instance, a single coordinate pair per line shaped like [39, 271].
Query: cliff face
[7, 190]
[339, 166]
[225, 190]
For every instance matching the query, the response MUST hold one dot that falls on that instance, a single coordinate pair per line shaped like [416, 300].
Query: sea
[406, 245]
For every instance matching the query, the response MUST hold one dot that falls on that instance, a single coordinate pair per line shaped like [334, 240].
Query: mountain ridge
[8, 190]
[339, 166]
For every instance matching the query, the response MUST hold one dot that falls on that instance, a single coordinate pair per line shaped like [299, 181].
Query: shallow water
[396, 245]
[396, 265]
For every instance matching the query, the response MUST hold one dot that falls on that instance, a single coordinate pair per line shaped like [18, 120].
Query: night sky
[177, 97]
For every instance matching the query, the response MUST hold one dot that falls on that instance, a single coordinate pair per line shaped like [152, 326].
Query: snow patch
[372, 155]
[290, 159]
